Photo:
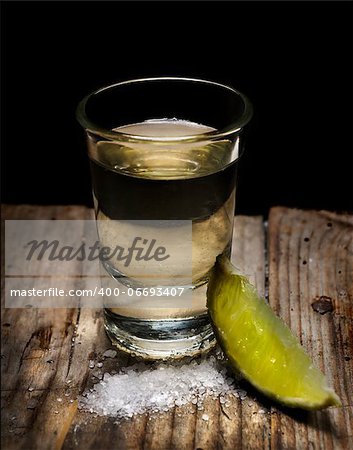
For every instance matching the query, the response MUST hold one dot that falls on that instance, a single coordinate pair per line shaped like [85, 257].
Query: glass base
[160, 338]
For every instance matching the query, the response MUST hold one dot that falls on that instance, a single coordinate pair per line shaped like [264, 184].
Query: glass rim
[232, 128]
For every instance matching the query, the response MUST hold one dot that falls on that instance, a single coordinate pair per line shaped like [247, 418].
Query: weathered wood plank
[248, 253]
[37, 354]
[184, 428]
[180, 428]
[40, 355]
[310, 256]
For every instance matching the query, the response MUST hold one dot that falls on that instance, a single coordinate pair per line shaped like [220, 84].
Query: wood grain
[310, 256]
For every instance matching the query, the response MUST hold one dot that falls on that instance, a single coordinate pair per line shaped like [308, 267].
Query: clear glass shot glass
[164, 154]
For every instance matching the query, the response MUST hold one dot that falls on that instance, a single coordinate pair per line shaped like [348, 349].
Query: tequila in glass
[170, 180]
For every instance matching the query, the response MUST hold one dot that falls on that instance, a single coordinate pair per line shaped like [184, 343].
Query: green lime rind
[260, 346]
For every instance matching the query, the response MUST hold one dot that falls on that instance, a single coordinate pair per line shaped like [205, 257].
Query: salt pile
[144, 388]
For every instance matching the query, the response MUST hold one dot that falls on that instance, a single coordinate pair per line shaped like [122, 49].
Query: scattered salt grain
[91, 364]
[242, 394]
[99, 364]
[158, 387]
[97, 374]
[110, 354]
[205, 417]
[31, 389]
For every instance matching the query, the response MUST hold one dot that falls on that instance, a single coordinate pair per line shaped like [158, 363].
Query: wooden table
[309, 255]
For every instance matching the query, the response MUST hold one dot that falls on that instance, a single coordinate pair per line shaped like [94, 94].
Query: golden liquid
[166, 179]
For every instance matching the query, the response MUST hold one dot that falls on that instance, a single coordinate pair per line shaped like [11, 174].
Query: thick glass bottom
[160, 338]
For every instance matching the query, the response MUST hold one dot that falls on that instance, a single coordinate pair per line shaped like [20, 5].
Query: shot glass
[164, 155]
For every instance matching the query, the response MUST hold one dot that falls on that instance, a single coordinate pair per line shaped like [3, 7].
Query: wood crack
[72, 347]
[24, 350]
[223, 411]
[44, 336]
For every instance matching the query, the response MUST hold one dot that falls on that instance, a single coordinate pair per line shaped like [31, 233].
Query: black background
[293, 60]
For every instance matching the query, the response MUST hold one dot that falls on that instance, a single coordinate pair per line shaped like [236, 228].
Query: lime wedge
[260, 345]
